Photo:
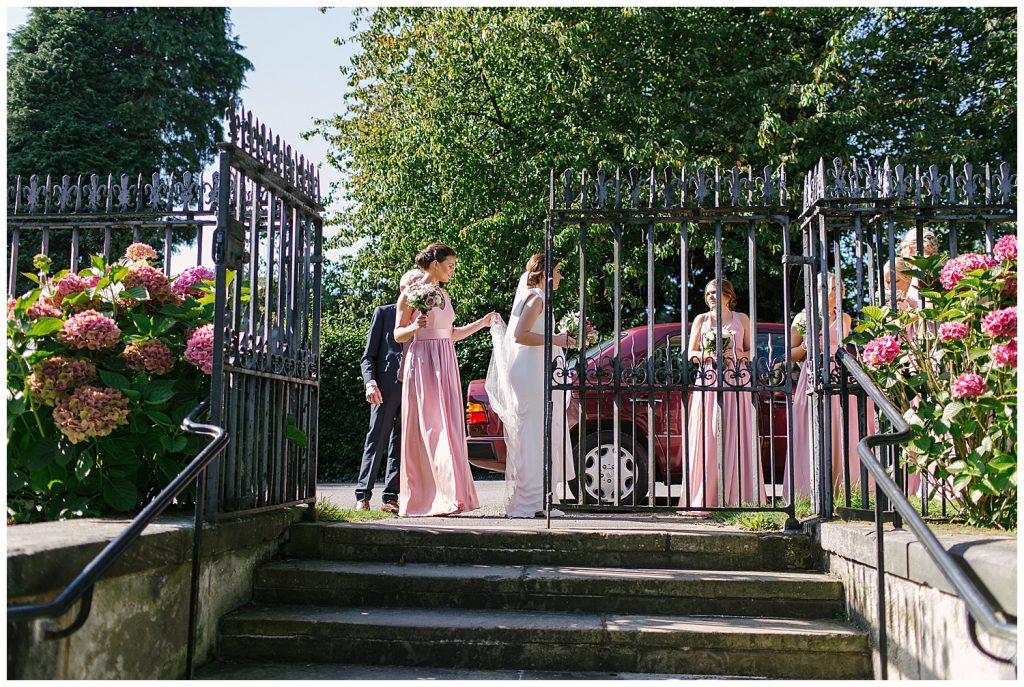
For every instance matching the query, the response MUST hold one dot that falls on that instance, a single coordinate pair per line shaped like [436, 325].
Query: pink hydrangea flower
[55, 377]
[953, 331]
[140, 251]
[11, 304]
[71, 284]
[154, 281]
[968, 385]
[1005, 355]
[1001, 322]
[91, 412]
[199, 350]
[1006, 248]
[43, 307]
[189, 278]
[957, 268]
[881, 351]
[150, 357]
[90, 329]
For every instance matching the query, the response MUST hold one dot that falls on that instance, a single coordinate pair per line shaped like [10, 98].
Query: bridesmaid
[737, 414]
[435, 473]
[800, 435]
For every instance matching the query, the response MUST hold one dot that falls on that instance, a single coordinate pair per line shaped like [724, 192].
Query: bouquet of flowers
[424, 296]
[800, 322]
[571, 323]
[710, 338]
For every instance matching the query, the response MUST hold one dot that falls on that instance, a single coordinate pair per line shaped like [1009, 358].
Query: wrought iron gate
[268, 253]
[635, 391]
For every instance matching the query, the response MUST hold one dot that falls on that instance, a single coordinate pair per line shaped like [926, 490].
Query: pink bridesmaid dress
[800, 435]
[435, 474]
[737, 428]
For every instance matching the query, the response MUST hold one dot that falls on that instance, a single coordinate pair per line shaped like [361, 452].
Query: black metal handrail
[81, 588]
[979, 609]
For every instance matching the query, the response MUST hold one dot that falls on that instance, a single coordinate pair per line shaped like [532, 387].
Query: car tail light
[475, 414]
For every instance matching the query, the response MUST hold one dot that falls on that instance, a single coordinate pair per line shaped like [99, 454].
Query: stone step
[276, 670]
[551, 588]
[548, 641]
[693, 549]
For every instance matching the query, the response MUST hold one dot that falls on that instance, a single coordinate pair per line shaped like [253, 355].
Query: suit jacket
[382, 356]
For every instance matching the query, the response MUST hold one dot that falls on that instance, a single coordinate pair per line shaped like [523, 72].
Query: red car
[487, 444]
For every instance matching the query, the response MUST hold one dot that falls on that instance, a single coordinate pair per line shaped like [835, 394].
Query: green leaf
[40, 453]
[114, 380]
[118, 272]
[296, 435]
[159, 418]
[159, 391]
[120, 494]
[137, 292]
[44, 326]
[65, 451]
[951, 411]
[143, 323]
[84, 465]
[875, 313]
[31, 276]
[98, 262]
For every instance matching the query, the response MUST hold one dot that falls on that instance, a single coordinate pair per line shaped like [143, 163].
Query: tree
[119, 90]
[456, 115]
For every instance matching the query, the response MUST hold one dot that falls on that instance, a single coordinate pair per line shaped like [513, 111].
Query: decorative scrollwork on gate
[117, 195]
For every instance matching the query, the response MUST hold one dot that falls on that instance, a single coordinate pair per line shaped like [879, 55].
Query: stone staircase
[567, 602]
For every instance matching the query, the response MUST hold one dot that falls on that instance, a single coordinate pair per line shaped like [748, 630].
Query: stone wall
[928, 636]
[139, 621]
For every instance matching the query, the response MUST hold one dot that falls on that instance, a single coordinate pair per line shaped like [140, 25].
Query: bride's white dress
[520, 404]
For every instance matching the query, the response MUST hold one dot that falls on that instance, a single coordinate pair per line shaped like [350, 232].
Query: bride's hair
[435, 251]
[727, 290]
[535, 269]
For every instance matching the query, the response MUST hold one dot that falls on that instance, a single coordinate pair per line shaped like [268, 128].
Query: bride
[515, 389]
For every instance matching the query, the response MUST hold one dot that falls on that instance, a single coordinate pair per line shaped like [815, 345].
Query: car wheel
[598, 473]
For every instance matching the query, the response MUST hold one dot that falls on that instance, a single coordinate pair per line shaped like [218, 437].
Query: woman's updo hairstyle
[434, 252]
[535, 269]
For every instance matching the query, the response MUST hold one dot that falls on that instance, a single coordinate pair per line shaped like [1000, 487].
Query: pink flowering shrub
[953, 331]
[91, 412]
[185, 284]
[1002, 322]
[90, 330]
[159, 289]
[1005, 248]
[949, 365]
[199, 350]
[1004, 355]
[54, 378]
[140, 252]
[151, 357]
[881, 351]
[97, 385]
[957, 268]
[968, 385]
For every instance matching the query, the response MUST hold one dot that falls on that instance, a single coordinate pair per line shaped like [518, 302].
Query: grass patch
[328, 512]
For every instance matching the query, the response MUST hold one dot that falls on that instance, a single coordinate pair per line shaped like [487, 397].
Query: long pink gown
[737, 428]
[800, 435]
[435, 475]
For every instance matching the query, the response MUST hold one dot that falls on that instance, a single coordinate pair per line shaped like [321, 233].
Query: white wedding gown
[524, 430]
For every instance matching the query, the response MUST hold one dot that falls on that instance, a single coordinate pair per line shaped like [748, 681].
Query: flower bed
[949, 364]
[103, 366]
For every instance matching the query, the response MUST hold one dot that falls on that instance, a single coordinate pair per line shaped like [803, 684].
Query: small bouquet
[800, 322]
[571, 323]
[710, 338]
[424, 296]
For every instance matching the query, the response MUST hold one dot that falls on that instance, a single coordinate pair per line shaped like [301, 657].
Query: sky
[295, 79]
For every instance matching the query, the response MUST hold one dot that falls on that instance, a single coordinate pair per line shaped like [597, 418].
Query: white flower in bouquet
[424, 296]
[711, 336]
[571, 324]
[800, 322]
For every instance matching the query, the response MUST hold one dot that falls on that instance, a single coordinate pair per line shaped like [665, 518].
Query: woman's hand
[492, 318]
[564, 340]
[421, 321]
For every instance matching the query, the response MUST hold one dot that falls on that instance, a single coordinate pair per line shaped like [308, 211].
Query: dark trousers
[385, 431]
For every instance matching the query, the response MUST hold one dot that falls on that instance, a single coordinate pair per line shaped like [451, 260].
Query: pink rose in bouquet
[424, 296]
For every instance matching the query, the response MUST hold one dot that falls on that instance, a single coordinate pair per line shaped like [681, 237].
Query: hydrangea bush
[951, 367]
[102, 366]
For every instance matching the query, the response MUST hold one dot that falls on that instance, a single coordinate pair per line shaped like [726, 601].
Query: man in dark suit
[380, 364]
